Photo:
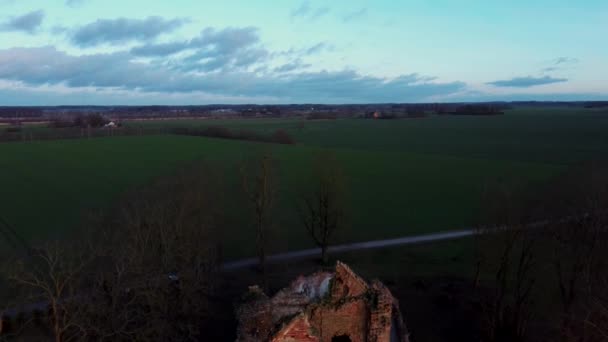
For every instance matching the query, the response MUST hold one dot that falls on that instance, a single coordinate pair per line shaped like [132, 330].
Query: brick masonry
[321, 307]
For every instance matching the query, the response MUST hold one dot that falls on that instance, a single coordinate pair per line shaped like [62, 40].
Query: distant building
[324, 307]
[373, 115]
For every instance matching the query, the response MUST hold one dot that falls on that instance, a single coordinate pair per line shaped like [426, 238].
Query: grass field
[404, 176]
[550, 135]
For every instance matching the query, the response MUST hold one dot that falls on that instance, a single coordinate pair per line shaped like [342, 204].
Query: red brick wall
[354, 308]
[346, 283]
[298, 330]
[381, 314]
[349, 319]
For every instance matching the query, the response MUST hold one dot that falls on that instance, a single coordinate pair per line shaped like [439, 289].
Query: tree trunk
[262, 259]
[324, 257]
[260, 240]
[56, 327]
[477, 274]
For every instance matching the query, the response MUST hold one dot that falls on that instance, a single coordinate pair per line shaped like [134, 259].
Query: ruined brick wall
[255, 318]
[381, 313]
[345, 318]
[312, 311]
[345, 312]
[346, 283]
[298, 330]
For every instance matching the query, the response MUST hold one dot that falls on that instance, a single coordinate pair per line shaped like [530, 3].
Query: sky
[138, 52]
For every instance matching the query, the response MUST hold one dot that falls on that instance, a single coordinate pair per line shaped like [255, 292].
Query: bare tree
[322, 210]
[147, 271]
[52, 275]
[507, 248]
[10, 297]
[579, 226]
[163, 254]
[597, 312]
[260, 186]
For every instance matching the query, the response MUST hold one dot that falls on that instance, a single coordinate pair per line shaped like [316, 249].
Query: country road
[301, 254]
[306, 253]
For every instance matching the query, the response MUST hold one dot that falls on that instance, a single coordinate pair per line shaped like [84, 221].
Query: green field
[550, 135]
[404, 176]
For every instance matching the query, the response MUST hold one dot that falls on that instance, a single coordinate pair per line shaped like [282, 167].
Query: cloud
[305, 10]
[558, 64]
[160, 50]
[228, 40]
[292, 66]
[75, 3]
[302, 10]
[212, 49]
[47, 66]
[319, 47]
[527, 81]
[121, 30]
[228, 49]
[319, 12]
[354, 15]
[28, 22]
[306, 51]
[565, 60]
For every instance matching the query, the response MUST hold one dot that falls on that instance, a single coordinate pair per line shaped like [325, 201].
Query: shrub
[13, 129]
[322, 116]
[249, 135]
[217, 132]
[96, 120]
[279, 137]
[61, 123]
[282, 137]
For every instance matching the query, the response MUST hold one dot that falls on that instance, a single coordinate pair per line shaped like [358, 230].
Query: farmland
[404, 176]
[552, 135]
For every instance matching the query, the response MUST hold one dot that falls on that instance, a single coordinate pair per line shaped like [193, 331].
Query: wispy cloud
[75, 3]
[28, 23]
[565, 60]
[354, 15]
[306, 51]
[559, 63]
[527, 81]
[305, 10]
[121, 30]
[292, 66]
[319, 47]
[302, 10]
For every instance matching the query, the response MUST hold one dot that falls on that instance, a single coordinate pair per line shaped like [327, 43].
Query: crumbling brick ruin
[323, 307]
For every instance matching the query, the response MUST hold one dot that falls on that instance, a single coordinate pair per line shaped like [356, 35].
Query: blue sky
[236, 51]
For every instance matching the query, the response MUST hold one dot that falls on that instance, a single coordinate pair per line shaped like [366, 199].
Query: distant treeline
[322, 116]
[21, 112]
[478, 109]
[596, 104]
[425, 109]
[11, 134]
[79, 120]
[278, 137]
[312, 111]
